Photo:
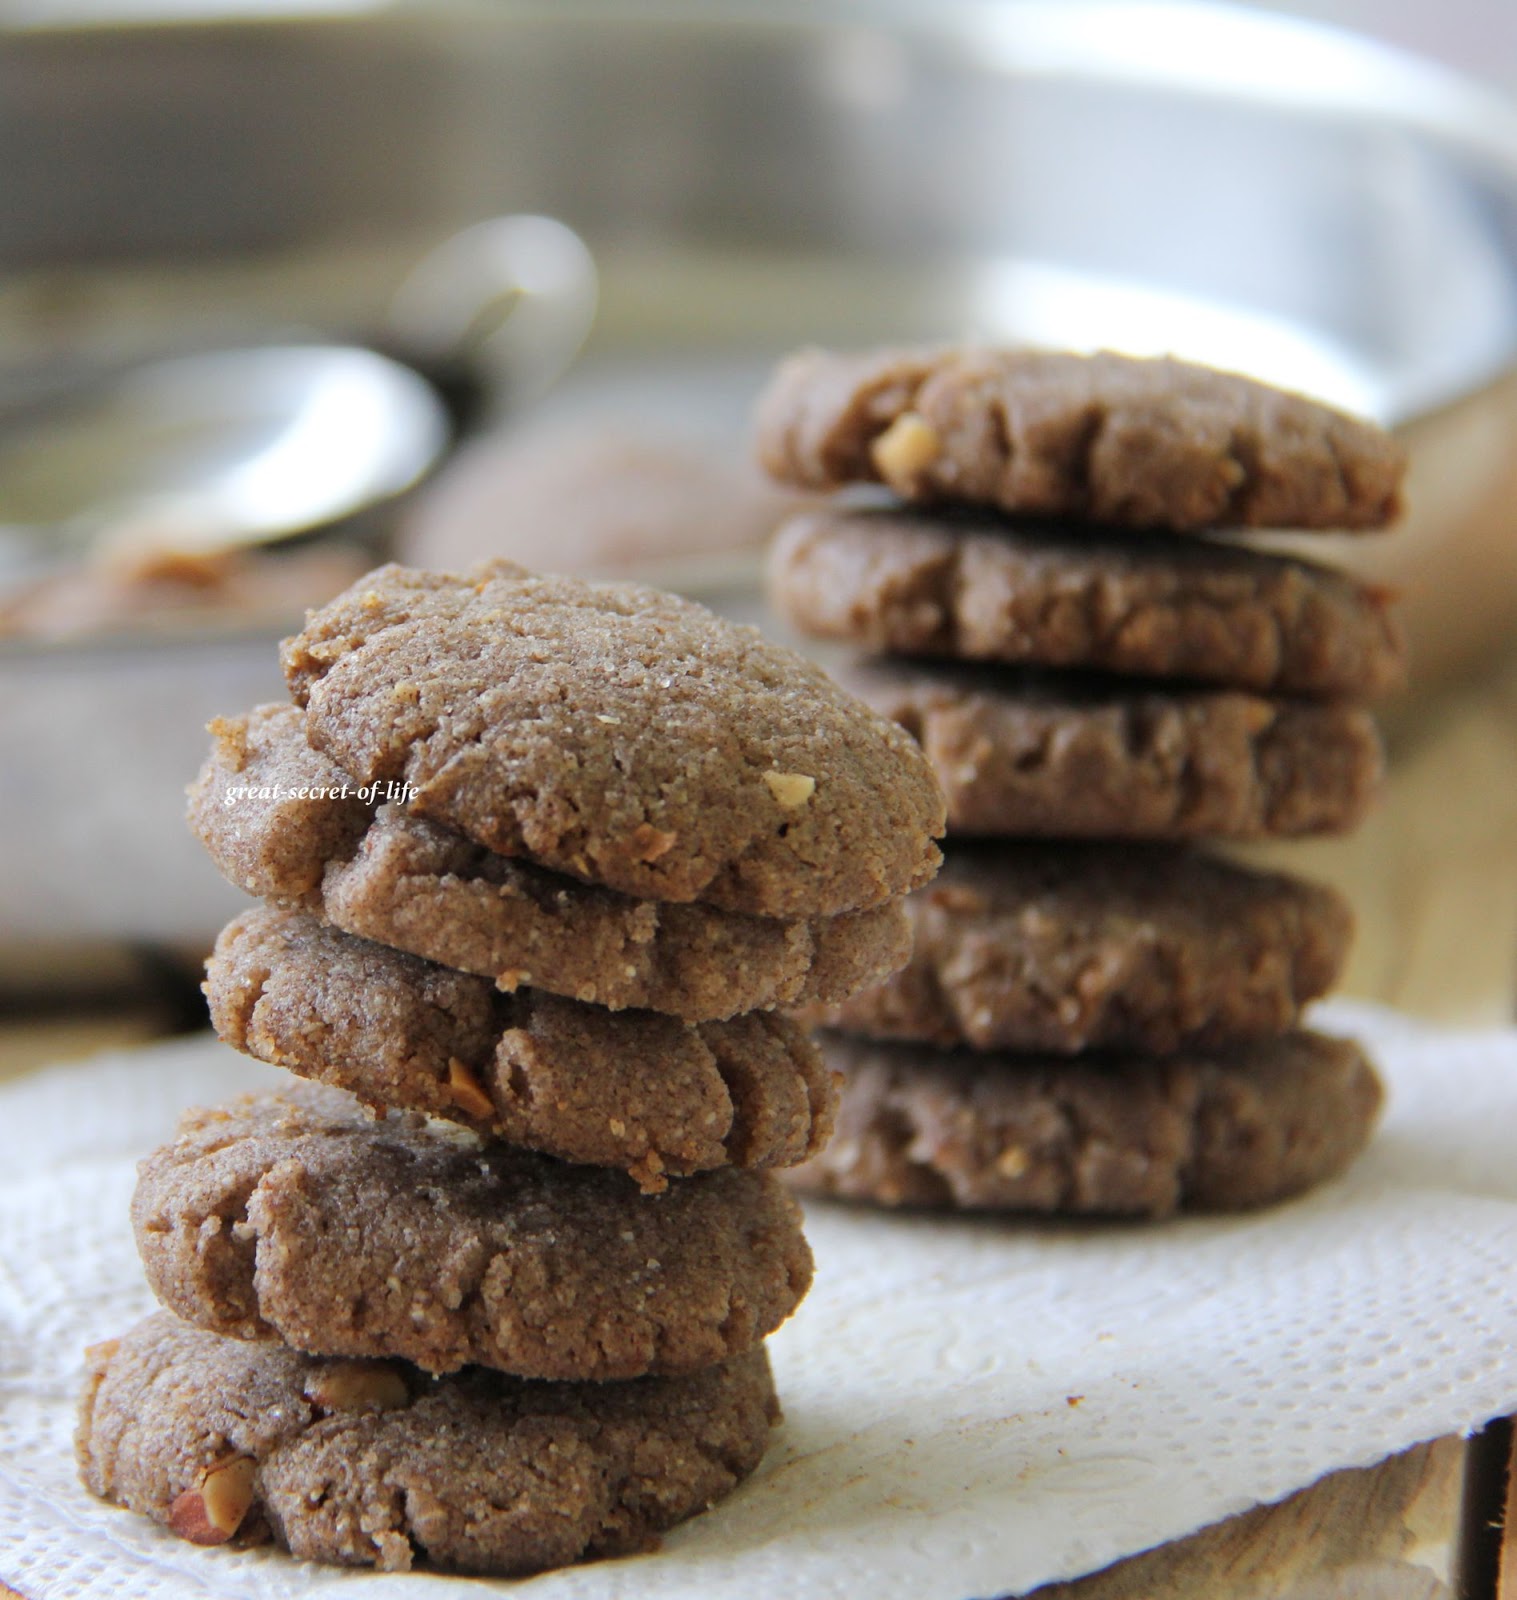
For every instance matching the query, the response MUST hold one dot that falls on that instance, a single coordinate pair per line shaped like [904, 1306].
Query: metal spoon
[209, 451]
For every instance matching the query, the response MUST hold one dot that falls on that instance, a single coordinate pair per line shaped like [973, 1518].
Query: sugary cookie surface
[620, 735]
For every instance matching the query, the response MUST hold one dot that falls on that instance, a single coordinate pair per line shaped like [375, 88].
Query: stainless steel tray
[1250, 191]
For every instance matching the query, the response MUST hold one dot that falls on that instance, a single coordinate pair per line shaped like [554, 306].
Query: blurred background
[289, 288]
[1478, 37]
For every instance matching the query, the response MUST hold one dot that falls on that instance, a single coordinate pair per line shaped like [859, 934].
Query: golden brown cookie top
[620, 735]
[1106, 438]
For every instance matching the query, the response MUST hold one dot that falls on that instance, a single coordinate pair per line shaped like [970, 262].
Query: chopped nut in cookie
[905, 449]
[790, 789]
[214, 1510]
[649, 843]
[357, 1386]
[467, 1092]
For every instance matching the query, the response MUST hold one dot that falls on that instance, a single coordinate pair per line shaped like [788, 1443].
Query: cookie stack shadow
[1101, 1015]
[488, 1289]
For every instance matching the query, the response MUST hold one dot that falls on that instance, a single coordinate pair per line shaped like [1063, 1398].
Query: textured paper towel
[932, 1448]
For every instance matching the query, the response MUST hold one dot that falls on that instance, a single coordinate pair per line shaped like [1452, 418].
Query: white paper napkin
[973, 1407]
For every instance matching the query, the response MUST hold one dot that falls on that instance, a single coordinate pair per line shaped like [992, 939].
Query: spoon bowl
[217, 449]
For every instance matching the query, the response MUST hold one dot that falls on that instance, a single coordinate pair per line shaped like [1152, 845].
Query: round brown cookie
[1069, 947]
[1098, 1135]
[1163, 606]
[620, 735]
[1106, 438]
[592, 500]
[1021, 752]
[301, 1218]
[372, 1463]
[396, 879]
[640, 1091]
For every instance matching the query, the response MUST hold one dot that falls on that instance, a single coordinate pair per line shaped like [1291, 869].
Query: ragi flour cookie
[1104, 438]
[373, 1463]
[1117, 1135]
[593, 500]
[263, 806]
[1070, 947]
[635, 1089]
[620, 735]
[1160, 606]
[299, 1217]
[1070, 756]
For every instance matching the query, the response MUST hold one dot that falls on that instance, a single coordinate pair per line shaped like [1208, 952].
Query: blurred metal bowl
[1255, 192]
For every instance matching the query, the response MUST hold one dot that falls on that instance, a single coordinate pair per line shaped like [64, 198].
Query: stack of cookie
[538, 859]
[1099, 1017]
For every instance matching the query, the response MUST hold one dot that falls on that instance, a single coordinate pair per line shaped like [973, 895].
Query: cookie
[1069, 947]
[281, 821]
[590, 499]
[640, 1091]
[301, 1218]
[1161, 607]
[623, 736]
[373, 1463]
[1104, 438]
[1115, 1135]
[1071, 756]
